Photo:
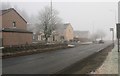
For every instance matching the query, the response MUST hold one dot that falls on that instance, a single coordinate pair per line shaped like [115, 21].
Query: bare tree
[33, 23]
[48, 21]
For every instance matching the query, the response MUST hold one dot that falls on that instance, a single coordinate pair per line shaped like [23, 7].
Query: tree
[32, 22]
[48, 21]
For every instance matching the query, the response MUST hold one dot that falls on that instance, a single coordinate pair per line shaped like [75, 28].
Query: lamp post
[112, 29]
[115, 20]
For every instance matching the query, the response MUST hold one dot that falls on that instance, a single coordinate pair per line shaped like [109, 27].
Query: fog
[83, 16]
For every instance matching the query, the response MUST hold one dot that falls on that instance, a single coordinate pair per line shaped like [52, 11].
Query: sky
[83, 16]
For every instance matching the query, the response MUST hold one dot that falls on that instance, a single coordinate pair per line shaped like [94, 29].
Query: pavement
[110, 65]
[49, 62]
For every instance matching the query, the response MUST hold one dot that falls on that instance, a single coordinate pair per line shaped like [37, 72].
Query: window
[14, 24]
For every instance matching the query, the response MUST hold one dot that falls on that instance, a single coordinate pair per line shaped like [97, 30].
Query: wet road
[49, 62]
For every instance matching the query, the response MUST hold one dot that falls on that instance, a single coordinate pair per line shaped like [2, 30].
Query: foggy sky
[83, 16]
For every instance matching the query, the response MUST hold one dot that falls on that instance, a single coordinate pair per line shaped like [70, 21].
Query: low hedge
[30, 47]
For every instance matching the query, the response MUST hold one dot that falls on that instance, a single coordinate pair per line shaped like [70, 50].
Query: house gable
[12, 16]
[68, 32]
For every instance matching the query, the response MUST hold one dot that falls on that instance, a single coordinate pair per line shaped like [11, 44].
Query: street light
[112, 29]
[115, 15]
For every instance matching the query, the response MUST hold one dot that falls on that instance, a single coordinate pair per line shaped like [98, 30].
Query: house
[66, 32]
[62, 33]
[14, 29]
[81, 35]
[39, 37]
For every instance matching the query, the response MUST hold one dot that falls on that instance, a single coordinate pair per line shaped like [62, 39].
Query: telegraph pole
[51, 19]
[51, 7]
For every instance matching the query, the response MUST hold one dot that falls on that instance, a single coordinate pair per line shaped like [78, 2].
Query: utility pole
[51, 10]
[93, 30]
[51, 7]
[51, 19]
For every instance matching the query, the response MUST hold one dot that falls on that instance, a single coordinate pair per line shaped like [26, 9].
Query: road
[49, 62]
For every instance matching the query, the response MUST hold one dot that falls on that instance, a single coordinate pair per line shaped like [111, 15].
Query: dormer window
[14, 24]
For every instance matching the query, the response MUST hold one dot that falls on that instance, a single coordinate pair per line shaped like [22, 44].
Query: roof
[61, 29]
[2, 12]
[63, 26]
[15, 30]
[5, 11]
[66, 25]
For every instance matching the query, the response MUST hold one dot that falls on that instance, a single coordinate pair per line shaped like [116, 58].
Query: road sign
[118, 30]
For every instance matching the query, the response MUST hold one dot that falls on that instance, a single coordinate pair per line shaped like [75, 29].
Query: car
[65, 42]
[101, 41]
[71, 46]
[1, 48]
[86, 43]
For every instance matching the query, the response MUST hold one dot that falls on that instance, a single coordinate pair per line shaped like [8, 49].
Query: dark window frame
[14, 24]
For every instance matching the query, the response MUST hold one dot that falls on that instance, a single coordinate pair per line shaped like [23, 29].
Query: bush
[30, 47]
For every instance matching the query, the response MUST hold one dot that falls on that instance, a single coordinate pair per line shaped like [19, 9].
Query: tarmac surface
[49, 62]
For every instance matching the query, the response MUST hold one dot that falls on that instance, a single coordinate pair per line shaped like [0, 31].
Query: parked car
[101, 41]
[1, 48]
[86, 43]
[71, 46]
